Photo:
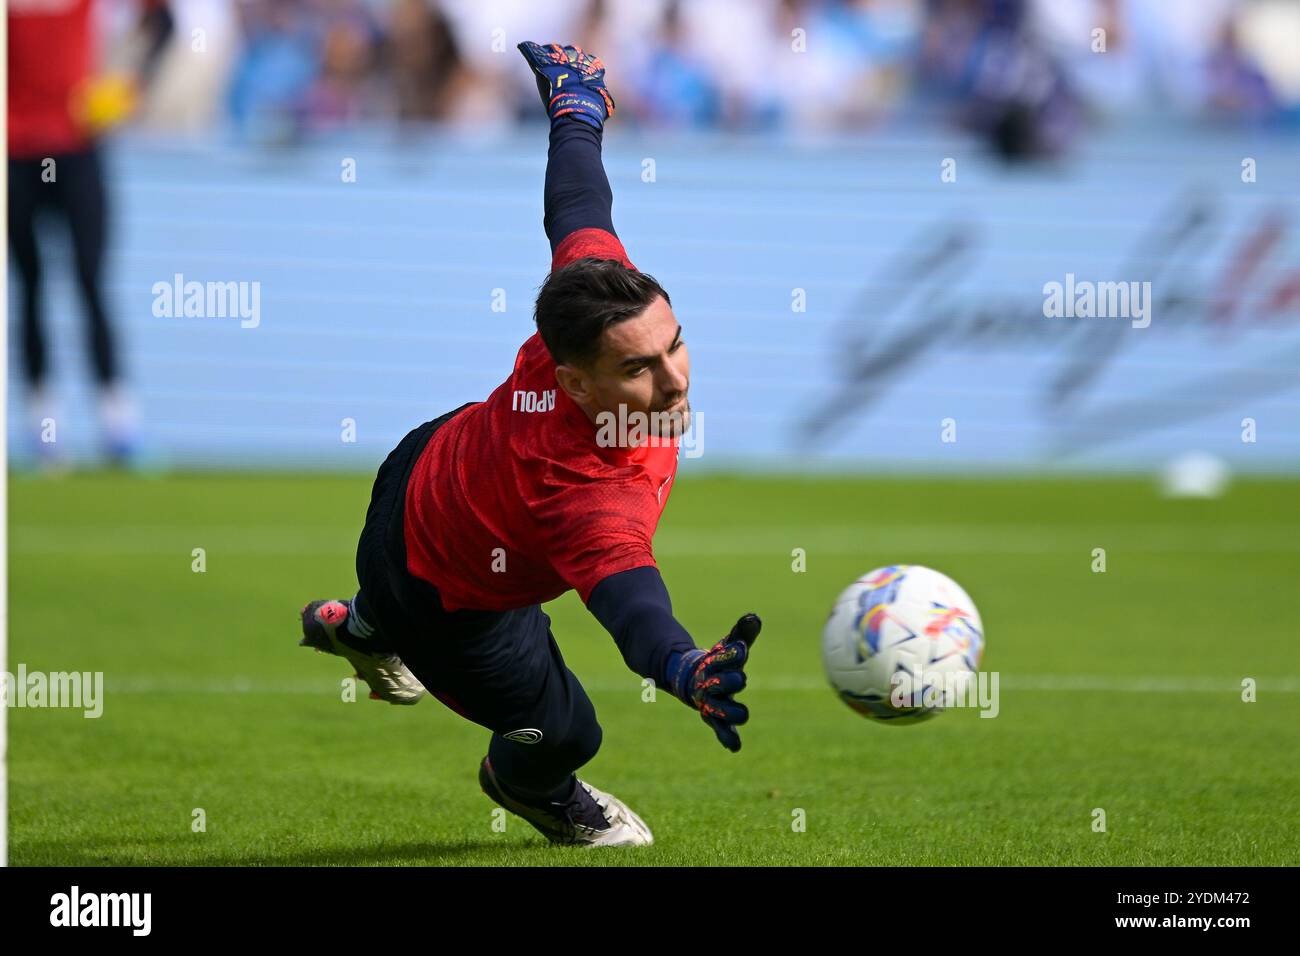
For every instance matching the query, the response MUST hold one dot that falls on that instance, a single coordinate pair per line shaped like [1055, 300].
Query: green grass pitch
[1120, 690]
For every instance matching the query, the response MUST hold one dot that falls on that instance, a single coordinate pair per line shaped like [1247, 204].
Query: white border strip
[4, 462]
[327, 686]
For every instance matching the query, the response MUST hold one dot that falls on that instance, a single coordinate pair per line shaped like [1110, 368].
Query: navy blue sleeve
[634, 607]
[577, 191]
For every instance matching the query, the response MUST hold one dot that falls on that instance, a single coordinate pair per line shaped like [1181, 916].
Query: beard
[674, 423]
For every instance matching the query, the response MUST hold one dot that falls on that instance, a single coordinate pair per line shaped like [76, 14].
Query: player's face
[644, 367]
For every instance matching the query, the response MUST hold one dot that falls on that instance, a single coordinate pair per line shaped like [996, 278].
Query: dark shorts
[500, 669]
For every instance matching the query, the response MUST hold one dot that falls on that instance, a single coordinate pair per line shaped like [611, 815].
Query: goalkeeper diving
[482, 515]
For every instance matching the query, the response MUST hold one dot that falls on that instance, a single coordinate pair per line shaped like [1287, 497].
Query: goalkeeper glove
[570, 81]
[707, 680]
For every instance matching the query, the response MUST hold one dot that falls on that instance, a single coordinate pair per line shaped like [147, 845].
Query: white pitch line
[1053, 683]
[757, 542]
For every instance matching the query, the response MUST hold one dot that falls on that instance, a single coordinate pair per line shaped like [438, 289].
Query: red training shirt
[50, 54]
[522, 472]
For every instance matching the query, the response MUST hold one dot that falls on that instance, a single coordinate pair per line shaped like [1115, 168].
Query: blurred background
[270, 238]
[855, 206]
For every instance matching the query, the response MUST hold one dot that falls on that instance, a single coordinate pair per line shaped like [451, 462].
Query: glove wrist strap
[680, 673]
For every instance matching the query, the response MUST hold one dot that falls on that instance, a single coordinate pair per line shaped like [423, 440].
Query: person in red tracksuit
[482, 515]
[55, 165]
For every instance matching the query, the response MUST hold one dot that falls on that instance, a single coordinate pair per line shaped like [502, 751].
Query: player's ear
[575, 383]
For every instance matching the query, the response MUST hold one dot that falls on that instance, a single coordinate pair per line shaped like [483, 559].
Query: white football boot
[590, 817]
[324, 627]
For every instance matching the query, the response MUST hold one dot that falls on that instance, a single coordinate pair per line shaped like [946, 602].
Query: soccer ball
[901, 643]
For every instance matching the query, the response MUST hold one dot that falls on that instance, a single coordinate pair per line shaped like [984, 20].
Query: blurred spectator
[343, 90]
[1236, 87]
[1019, 73]
[676, 88]
[432, 80]
[850, 62]
[275, 71]
[188, 93]
[1179, 55]
[984, 56]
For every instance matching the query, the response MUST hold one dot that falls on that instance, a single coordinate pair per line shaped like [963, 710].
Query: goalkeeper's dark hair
[579, 301]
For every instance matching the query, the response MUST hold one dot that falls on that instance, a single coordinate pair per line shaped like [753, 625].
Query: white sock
[117, 413]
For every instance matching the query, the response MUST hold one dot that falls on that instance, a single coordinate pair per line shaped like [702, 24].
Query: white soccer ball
[902, 643]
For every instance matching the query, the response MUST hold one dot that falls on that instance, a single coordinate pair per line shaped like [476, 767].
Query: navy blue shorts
[500, 669]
